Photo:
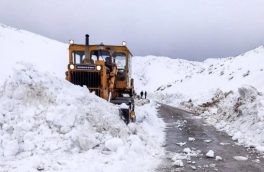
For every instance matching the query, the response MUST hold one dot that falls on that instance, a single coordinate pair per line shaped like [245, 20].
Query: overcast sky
[190, 29]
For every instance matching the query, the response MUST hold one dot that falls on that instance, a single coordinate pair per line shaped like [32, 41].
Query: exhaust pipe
[87, 53]
[87, 40]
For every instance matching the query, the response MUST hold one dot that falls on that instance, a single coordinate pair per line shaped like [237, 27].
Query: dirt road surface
[189, 138]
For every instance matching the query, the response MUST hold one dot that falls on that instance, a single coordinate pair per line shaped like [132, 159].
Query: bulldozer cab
[98, 58]
[104, 70]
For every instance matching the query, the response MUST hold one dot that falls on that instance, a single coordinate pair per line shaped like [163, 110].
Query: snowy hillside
[227, 92]
[48, 124]
[20, 45]
[151, 72]
[165, 75]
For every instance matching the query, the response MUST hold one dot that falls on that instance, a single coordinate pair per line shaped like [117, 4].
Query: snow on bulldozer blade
[141, 102]
[49, 124]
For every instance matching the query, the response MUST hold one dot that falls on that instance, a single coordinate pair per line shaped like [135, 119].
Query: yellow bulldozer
[106, 71]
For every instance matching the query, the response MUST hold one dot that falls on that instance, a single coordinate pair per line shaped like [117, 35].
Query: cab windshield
[101, 55]
[120, 59]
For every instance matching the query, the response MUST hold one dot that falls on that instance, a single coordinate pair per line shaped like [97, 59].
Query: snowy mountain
[165, 75]
[20, 45]
[151, 72]
[226, 92]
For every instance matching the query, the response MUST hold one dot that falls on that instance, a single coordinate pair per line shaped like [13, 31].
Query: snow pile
[239, 113]
[49, 124]
[186, 154]
[37, 108]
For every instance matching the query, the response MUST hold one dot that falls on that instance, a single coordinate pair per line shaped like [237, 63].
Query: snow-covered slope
[227, 92]
[161, 74]
[48, 124]
[20, 45]
[151, 72]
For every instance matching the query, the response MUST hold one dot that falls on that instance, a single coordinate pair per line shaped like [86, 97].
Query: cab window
[78, 57]
[101, 55]
[120, 60]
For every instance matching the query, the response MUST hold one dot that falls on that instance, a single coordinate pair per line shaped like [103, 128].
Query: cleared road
[189, 138]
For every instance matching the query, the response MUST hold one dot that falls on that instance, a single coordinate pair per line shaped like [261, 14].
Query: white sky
[190, 29]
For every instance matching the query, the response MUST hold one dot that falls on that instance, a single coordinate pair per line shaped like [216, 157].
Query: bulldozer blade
[124, 114]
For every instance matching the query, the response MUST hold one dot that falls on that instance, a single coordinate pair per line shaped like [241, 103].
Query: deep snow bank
[37, 108]
[48, 123]
[240, 113]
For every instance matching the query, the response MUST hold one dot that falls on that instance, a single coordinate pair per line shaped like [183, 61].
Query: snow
[187, 150]
[240, 115]
[207, 141]
[240, 158]
[178, 163]
[210, 154]
[186, 154]
[218, 158]
[181, 143]
[42, 126]
[151, 72]
[191, 139]
[20, 45]
[176, 76]
[46, 123]
[113, 144]
[226, 92]
[223, 144]
[193, 167]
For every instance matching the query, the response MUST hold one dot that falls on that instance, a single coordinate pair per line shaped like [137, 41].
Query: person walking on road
[145, 94]
[141, 94]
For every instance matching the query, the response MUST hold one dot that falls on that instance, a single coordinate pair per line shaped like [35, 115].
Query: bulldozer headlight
[71, 41]
[71, 66]
[124, 43]
[98, 67]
